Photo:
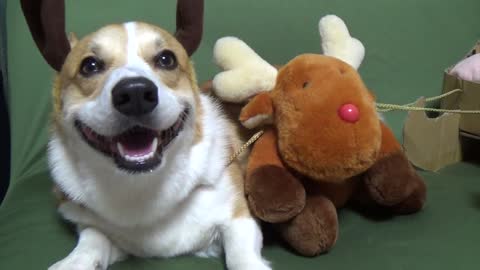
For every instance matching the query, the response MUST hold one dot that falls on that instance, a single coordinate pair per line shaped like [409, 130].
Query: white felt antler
[337, 42]
[245, 72]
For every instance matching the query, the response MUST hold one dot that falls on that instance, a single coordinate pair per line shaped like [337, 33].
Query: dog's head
[128, 93]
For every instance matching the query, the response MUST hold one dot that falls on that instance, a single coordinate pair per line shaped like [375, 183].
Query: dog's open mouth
[138, 149]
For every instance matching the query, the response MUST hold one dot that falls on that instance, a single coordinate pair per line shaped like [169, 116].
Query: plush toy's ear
[259, 111]
[337, 42]
[245, 72]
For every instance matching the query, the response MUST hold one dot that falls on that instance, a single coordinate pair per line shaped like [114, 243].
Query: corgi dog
[141, 157]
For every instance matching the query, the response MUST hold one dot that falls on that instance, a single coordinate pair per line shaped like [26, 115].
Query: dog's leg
[242, 241]
[93, 251]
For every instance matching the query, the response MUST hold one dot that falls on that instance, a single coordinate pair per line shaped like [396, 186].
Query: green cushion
[408, 42]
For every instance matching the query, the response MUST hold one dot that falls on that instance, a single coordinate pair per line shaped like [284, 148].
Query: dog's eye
[91, 66]
[166, 60]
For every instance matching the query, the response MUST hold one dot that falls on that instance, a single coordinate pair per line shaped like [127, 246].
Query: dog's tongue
[137, 144]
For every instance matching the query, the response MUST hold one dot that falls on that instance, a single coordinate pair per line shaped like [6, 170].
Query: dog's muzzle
[139, 147]
[135, 96]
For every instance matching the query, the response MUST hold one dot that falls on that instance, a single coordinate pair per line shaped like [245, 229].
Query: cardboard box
[469, 99]
[432, 143]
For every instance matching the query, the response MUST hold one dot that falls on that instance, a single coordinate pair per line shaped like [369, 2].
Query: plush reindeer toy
[323, 145]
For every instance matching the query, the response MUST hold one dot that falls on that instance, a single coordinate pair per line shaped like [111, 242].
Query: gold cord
[386, 107]
[244, 147]
[381, 107]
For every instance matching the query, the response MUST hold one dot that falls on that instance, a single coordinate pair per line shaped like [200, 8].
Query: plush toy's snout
[322, 99]
[349, 113]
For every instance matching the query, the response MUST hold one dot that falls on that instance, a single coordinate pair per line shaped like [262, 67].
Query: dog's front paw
[253, 265]
[77, 262]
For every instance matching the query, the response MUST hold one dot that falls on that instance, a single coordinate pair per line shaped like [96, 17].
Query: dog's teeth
[120, 149]
[154, 147]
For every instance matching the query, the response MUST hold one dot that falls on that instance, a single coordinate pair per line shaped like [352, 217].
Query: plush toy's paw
[274, 195]
[393, 182]
[315, 229]
[245, 72]
[414, 202]
[337, 42]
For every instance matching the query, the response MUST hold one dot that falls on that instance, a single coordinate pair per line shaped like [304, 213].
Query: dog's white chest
[192, 228]
[167, 240]
[195, 231]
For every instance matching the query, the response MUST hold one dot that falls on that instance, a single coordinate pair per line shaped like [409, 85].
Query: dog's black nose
[135, 96]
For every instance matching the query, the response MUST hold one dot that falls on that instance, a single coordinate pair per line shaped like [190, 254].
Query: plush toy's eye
[305, 85]
[91, 66]
[166, 60]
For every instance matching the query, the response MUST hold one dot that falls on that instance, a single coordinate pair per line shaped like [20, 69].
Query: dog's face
[127, 92]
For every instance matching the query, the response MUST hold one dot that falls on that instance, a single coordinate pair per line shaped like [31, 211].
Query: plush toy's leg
[392, 181]
[274, 195]
[315, 229]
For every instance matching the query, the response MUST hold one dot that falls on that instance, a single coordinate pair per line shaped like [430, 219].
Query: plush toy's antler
[337, 42]
[46, 21]
[245, 72]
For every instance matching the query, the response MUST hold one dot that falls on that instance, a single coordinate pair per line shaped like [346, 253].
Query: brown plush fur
[311, 162]
[261, 106]
[273, 193]
[315, 229]
[308, 94]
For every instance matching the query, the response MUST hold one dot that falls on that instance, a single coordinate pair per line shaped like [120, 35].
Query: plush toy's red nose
[349, 113]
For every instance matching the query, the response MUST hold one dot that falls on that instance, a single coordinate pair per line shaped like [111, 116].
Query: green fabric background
[3, 43]
[408, 44]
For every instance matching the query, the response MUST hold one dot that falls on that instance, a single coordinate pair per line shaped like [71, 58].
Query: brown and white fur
[191, 202]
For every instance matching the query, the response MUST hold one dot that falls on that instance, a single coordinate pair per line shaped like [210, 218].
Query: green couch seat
[408, 44]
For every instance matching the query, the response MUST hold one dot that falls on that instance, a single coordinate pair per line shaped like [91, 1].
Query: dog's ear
[46, 21]
[72, 39]
[189, 24]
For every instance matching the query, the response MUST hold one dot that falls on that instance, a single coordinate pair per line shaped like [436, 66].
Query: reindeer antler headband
[46, 21]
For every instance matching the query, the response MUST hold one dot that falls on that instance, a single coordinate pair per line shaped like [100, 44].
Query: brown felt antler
[46, 21]
[189, 24]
